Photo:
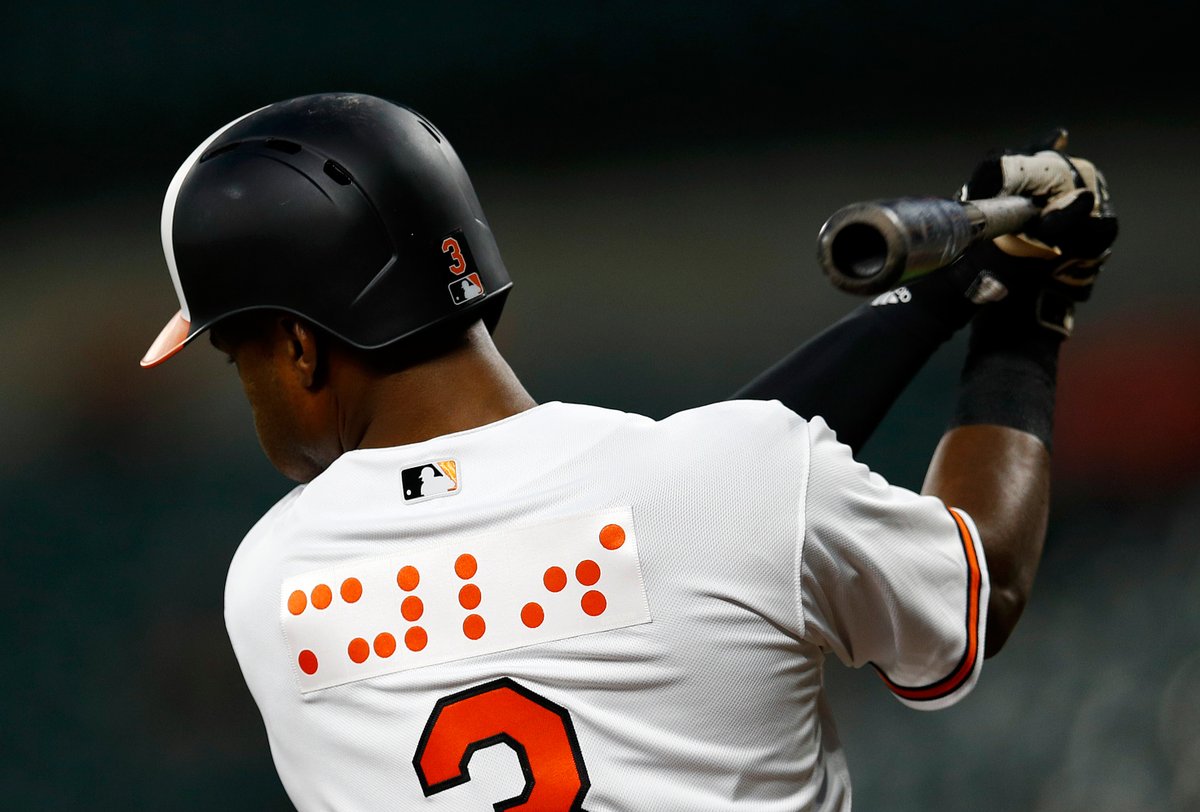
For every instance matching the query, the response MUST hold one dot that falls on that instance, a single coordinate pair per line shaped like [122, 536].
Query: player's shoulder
[276, 512]
[752, 433]
[766, 430]
[737, 417]
[728, 419]
[252, 562]
[264, 527]
[722, 432]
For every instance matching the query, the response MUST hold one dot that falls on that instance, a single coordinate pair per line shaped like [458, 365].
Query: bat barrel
[870, 247]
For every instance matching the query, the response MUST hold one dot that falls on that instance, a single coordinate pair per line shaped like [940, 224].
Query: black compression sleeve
[851, 373]
[1010, 373]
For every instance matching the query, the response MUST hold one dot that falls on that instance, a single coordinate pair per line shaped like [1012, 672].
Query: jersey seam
[802, 522]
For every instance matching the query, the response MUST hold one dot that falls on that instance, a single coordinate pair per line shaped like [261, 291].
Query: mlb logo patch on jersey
[463, 598]
[429, 480]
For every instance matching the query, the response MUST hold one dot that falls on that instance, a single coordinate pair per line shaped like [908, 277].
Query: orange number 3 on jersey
[539, 731]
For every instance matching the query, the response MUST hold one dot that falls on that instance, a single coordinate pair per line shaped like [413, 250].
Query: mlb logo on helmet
[429, 480]
[465, 289]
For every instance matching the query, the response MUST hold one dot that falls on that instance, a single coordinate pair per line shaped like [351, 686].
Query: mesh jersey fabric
[762, 544]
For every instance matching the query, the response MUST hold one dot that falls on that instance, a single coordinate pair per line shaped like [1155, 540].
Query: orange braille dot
[351, 590]
[415, 638]
[469, 596]
[466, 566]
[412, 608]
[474, 627]
[358, 650]
[297, 601]
[593, 602]
[588, 572]
[555, 579]
[322, 596]
[532, 615]
[612, 536]
[385, 644]
[408, 578]
[308, 662]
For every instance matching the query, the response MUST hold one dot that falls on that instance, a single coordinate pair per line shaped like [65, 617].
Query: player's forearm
[851, 373]
[994, 462]
[1001, 477]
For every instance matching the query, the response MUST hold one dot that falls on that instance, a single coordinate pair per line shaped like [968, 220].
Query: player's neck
[464, 389]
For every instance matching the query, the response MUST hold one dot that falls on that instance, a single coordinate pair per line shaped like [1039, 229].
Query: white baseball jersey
[578, 608]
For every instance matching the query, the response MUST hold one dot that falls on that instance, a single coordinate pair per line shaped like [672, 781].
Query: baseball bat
[871, 247]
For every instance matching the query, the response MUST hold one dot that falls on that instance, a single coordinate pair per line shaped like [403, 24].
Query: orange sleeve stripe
[960, 674]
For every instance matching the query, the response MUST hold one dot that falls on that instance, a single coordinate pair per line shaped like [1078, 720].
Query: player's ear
[303, 351]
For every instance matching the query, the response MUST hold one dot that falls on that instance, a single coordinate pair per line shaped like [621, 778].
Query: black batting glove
[1055, 262]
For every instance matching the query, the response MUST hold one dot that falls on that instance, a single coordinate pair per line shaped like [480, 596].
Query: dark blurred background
[656, 174]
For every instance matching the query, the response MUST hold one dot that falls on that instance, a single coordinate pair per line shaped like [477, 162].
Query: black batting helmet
[349, 210]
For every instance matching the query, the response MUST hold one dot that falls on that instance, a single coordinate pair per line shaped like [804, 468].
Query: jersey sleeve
[890, 578]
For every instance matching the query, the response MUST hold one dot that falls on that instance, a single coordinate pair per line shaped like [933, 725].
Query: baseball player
[474, 601]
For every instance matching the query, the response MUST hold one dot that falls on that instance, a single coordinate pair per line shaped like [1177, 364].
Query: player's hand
[1055, 262]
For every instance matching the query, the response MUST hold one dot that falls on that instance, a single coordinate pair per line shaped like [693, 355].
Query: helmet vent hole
[221, 150]
[336, 172]
[432, 131]
[282, 145]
